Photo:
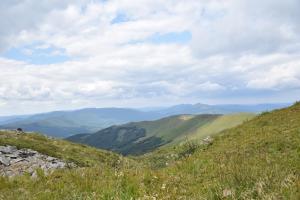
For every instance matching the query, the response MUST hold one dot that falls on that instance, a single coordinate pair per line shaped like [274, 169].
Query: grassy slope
[126, 140]
[220, 124]
[176, 126]
[80, 154]
[180, 128]
[259, 159]
[159, 133]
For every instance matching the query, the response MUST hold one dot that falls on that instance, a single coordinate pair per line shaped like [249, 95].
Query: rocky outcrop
[15, 161]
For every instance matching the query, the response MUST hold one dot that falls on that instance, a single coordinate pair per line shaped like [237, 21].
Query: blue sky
[34, 55]
[72, 54]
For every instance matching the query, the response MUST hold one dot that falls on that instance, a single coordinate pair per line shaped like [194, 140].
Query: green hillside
[141, 137]
[172, 127]
[79, 154]
[221, 123]
[259, 159]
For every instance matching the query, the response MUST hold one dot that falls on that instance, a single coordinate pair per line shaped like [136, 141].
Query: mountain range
[140, 137]
[89, 120]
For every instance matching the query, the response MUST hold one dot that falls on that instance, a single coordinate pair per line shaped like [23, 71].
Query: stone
[227, 193]
[34, 175]
[14, 162]
[11, 156]
[25, 154]
[7, 149]
[49, 158]
[4, 161]
[208, 140]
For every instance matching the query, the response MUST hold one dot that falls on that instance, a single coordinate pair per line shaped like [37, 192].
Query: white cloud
[286, 76]
[19, 16]
[236, 47]
[240, 27]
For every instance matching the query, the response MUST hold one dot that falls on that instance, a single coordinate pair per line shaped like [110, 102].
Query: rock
[34, 175]
[4, 161]
[49, 158]
[15, 162]
[11, 156]
[227, 193]
[208, 140]
[7, 149]
[26, 153]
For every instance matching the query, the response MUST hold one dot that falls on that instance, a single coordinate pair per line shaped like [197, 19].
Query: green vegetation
[220, 124]
[140, 137]
[259, 159]
[79, 154]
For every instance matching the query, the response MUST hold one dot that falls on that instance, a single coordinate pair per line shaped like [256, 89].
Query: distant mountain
[89, 120]
[140, 137]
[11, 119]
[219, 109]
[66, 123]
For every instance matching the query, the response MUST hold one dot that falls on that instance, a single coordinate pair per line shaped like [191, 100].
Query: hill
[79, 154]
[11, 119]
[66, 123]
[258, 159]
[141, 137]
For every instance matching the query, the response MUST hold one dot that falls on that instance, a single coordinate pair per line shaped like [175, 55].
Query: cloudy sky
[67, 54]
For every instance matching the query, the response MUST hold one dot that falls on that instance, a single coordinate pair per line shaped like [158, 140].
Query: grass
[141, 137]
[172, 127]
[81, 155]
[220, 124]
[259, 159]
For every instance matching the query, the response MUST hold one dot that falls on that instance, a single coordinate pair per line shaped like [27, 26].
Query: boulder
[15, 162]
[7, 149]
[4, 161]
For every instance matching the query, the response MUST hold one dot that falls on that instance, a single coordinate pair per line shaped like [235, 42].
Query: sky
[63, 54]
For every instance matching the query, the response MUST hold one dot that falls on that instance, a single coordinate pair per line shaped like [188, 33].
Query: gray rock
[15, 162]
[208, 140]
[7, 149]
[34, 175]
[4, 161]
[49, 158]
[11, 156]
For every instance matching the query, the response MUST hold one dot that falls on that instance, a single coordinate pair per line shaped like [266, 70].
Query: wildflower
[119, 174]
